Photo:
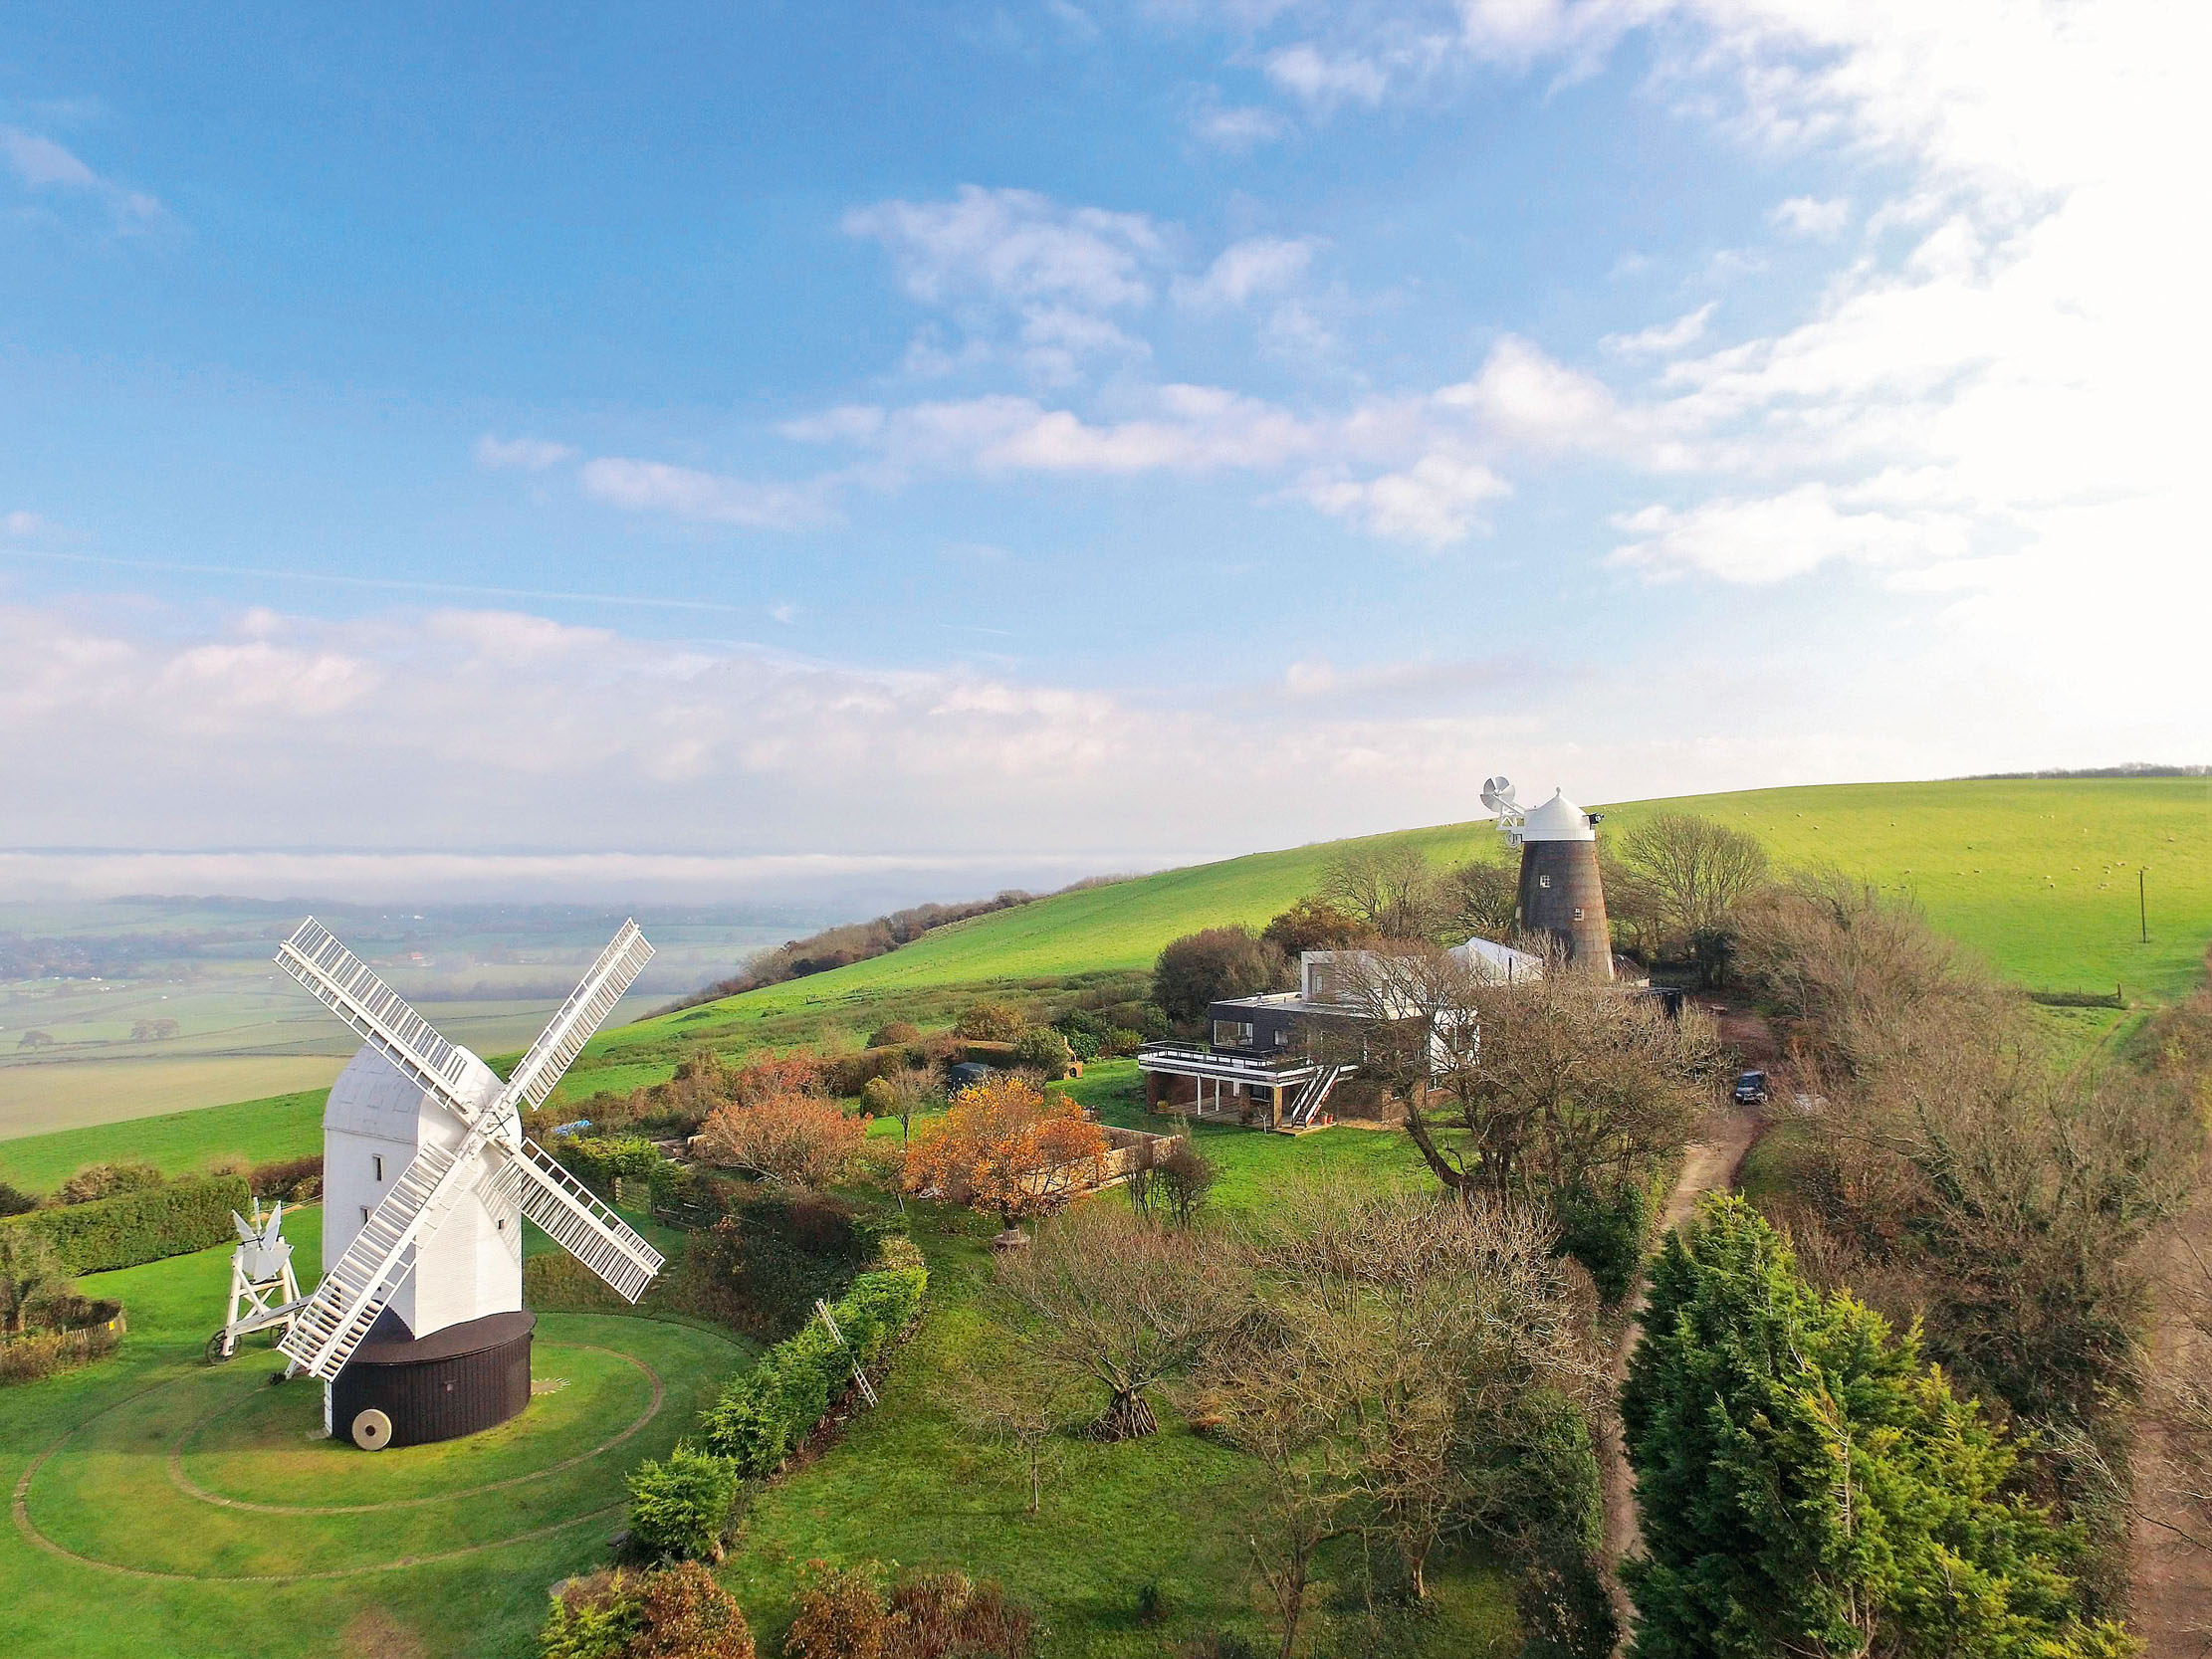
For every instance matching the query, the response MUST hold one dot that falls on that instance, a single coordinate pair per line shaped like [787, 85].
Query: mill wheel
[218, 1350]
[371, 1430]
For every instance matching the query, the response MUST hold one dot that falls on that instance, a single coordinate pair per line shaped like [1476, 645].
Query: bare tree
[1025, 1407]
[1394, 1337]
[1532, 1087]
[1970, 1174]
[1700, 869]
[1482, 899]
[1389, 889]
[1124, 1305]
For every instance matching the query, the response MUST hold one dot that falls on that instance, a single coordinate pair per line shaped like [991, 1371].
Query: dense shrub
[105, 1180]
[1314, 924]
[40, 1353]
[1086, 1030]
[1551, 1503]
[1044, 1050]
[764, 1264]
[1806, 1483]
[673, 1187]
[762, 1416]
[30, 1274]
[801, 1139]
[14, 1200]
[839, 1614]
[844, 1613]
[895, 1035]
[989, 1022]
[142, 1226]
[680, 1508]
[1604, 1228]
[1213, 963]
[676, 1613]
[845, 1075]
[295, 1181]
[599, 1159]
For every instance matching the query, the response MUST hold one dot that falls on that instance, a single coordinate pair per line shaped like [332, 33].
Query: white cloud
[1017, 268]
[1524, 396]
[1327, 80]
[1434, 502]
[706, 498]
[39, 163]
[1015, 247]
[533, 455]
[1765, 540]
[20, 522]
[1261, 265]
[1810, 216]
[1237, 128]
[1663, 339]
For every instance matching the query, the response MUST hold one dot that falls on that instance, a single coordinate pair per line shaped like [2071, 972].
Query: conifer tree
[1808, 1486]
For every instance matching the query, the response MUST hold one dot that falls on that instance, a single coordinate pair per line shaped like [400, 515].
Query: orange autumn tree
[1003, 1147]
[802, 1140]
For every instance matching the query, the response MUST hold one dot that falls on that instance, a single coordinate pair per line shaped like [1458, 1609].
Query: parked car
[1751, 1089]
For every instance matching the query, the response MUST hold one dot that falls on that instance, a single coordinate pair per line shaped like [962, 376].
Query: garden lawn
[111, 1493]
[908, 1483]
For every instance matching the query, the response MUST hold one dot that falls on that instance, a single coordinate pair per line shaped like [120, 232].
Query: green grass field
[150, 1491]
[179, 1142]
[130, 1540]
[2037, 877]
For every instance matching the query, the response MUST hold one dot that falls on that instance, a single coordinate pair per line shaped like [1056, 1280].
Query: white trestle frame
[331, 1324]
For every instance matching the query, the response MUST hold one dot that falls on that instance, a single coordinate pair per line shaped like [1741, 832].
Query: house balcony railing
[1280, 1070]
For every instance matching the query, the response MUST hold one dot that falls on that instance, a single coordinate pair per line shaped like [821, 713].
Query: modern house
[1268, 1063]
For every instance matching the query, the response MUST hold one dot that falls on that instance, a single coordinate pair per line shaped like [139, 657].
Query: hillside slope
[2039, 875]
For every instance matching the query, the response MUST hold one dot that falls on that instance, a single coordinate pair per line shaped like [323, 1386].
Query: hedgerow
[762, 1416]
[134, 1227]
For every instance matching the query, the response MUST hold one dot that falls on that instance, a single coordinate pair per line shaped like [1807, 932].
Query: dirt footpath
[1709, 1165]
[2172, 1576]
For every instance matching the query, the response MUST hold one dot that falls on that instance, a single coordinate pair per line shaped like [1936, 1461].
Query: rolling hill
[2038, 876]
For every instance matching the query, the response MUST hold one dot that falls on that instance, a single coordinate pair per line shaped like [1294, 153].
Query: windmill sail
[370, 1270]
[337, 1316]
[574, 1217]
[561, 1042]
[346, 985]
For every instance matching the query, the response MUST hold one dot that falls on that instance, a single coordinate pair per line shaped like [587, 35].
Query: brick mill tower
[1562, 896]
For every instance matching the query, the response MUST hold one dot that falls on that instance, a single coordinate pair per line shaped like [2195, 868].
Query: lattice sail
[346, 985]
[591, 1001]
[574, 1217]
[337, 1316]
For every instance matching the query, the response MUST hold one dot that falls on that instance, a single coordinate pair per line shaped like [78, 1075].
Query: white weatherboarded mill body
[375, 1123]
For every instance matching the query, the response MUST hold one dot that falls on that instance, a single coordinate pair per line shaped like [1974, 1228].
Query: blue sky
[1006, 440]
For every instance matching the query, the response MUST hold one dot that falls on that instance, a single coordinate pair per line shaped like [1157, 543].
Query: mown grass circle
[214, 1476]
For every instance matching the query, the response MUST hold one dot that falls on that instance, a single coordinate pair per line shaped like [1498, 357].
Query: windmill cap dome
[1558, 819]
